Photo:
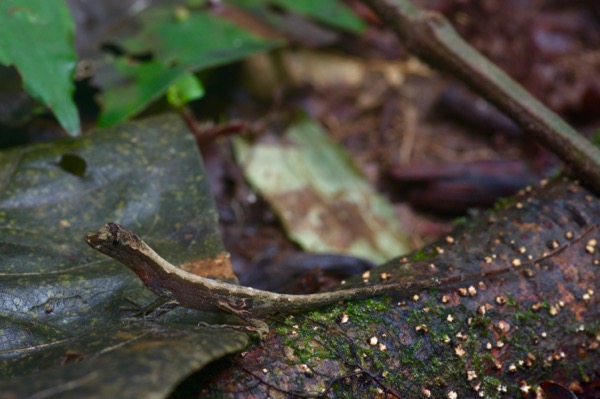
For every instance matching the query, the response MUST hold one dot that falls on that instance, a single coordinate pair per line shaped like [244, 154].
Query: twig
[430, 36]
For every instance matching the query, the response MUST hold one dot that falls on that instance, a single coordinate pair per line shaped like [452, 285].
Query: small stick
[430, 36]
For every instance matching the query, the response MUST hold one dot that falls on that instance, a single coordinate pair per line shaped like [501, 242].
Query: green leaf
[185, 89]
[330, 12]
[324, 202]
[143, 83]
[180, 45]
[67, 312]
[36, 36]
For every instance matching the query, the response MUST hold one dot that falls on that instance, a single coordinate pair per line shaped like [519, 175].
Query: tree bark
[497, 337]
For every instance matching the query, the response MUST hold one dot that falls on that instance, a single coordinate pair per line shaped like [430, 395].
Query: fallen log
[496, 337]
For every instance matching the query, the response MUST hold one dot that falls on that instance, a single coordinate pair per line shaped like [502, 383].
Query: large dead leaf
[65, 329]
[324, 202]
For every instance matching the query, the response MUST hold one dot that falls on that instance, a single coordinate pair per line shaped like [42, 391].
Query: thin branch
[430, 36]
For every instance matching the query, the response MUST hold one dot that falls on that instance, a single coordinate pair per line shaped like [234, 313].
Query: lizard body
[200, 293]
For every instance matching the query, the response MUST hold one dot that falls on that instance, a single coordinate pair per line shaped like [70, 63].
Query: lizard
[195, 292]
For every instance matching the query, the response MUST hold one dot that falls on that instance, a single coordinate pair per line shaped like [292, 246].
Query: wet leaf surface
[67, 313]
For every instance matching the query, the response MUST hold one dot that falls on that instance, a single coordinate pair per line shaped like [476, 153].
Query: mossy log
[495, 337]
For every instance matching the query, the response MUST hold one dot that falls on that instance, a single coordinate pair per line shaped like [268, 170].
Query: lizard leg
[255, 325]
[161, 305]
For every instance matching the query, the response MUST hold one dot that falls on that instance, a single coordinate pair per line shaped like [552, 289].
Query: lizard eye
[116, 242]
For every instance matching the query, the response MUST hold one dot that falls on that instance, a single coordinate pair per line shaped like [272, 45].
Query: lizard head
[114, 240]
[123, 245]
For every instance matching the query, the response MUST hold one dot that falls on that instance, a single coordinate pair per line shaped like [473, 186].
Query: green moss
[595, 139]
[527, 318]
[314, 326]
[490, 384]
[421, 255]
[512, 301]
[502, 203]
[431, 353]
[461, 221]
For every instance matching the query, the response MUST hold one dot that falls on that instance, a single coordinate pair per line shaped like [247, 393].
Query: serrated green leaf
[36, 36]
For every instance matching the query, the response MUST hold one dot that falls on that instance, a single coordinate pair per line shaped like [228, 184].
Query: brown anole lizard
[200, 293]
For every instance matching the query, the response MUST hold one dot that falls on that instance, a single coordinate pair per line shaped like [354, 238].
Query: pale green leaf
[324, 202]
